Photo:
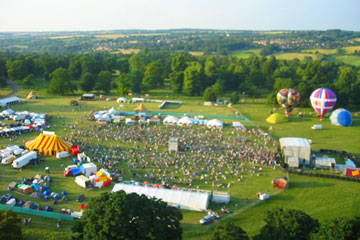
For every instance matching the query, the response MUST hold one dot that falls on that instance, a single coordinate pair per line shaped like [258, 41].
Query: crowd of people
[208, 156]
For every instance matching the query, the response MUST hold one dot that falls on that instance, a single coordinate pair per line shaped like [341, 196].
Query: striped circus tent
[48, 143]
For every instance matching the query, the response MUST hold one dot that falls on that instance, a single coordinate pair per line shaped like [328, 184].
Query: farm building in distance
[296, 152]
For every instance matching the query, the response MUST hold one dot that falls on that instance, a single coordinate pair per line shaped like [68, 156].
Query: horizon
[240, 15]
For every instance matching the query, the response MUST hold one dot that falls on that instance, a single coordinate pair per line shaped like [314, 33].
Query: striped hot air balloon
[323, 100]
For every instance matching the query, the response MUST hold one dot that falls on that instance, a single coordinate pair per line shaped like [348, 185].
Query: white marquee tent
[112, 111]
[121, 100]
[191, 200]
[185, 121]
[296, 151]
[170, 120]
[215, 123]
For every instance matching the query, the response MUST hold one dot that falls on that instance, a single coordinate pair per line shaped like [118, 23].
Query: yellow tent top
[48, 144]
[31, 95]
[140, 108]
[276, 117]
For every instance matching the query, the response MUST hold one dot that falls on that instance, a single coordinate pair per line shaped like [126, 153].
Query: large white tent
[170, 120]
[185, 121]
[191, 200]
[112, 111]
[296, 151]
[215, 123]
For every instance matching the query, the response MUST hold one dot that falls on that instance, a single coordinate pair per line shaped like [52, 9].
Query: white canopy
[215, 123]
[185, 121]
[238, 125]
[121, 99]
[191, 200]
[170, 120]
[296, 151]
[112, 111]
[104, 117]
[8, 111]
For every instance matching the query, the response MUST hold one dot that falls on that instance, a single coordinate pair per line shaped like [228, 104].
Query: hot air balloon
[322, 100]
[288, 98]
[341, 117]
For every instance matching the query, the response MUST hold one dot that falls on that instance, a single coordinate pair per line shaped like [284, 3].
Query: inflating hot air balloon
[323, 100]
[341, 117]
[288, 98]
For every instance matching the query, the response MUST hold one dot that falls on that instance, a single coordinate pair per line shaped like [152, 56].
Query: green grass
[300, 56]
[246, 53]
[315, 196]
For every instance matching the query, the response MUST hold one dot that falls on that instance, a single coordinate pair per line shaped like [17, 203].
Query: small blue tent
[341, 117]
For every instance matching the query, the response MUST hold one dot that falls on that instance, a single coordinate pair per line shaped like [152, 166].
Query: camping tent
[215, 123]
[276, 118]
[185, 121]
[140, 108]
[31, 95]
[238, 125]
[191, 200]
[296, 151]
[48, 143]
[170, 120]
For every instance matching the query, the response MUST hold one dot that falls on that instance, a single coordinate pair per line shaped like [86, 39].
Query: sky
[77, 15]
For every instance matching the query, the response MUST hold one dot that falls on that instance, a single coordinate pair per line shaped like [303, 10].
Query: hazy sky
[58, 15]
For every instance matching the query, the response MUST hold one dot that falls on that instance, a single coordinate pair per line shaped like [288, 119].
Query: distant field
[127, 51]
[300, 56]
[246, 53]
[119, 35]
[322, 51]
[351, 49]
[196, 53]
[357, 39]
[65, 37]
[348, 59]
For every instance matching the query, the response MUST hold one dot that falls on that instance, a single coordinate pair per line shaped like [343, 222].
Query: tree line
[184, 74]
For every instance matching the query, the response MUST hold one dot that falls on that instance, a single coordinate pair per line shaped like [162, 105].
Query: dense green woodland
[183, 73]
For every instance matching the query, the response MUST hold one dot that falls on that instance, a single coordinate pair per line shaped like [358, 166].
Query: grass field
[196, 53]
[320, 50]
[351, 49]
[127, 51]
[246, 53]
[305, 193]
[300, 56]
[119, 35]
[348, 59]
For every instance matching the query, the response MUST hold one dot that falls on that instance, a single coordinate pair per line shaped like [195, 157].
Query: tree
[124, 84]
[87, 81]
[229, 231]
[29, 80]
[75, 69]
[192, 76]
[281, 83]
[209, 95]
[9, 226]
[118, 216]
[153, 76]
[287, 224]
[103, 82]
[17, 69]
[339, 228]
[176, 81]
[218, 87]
[60, 82]
[234, 97]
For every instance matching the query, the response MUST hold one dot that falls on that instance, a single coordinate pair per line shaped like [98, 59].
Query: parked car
[207, 219]
[80, 198]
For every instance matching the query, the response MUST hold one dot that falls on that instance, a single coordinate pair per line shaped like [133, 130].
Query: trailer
[24, 160]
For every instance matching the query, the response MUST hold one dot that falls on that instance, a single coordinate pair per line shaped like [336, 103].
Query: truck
[8, 159]
[83, 181]
[24, 160]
